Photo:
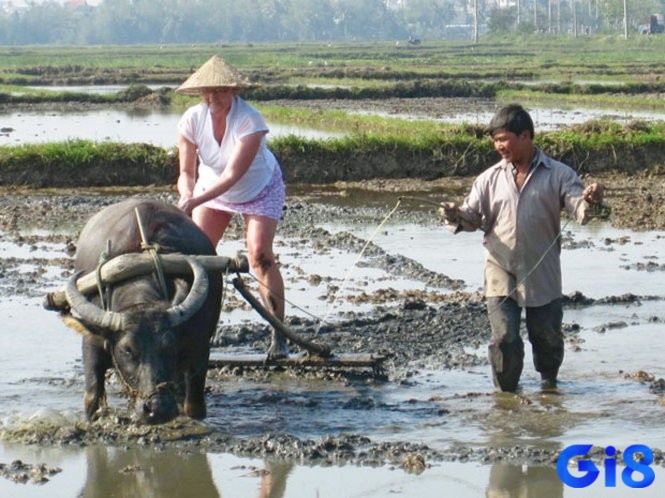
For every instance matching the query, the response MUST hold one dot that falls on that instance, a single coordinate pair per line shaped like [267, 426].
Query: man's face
[512, 147]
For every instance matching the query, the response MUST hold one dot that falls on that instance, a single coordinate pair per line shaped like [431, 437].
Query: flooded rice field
[430, 426]
[142, 126]
[158, 126]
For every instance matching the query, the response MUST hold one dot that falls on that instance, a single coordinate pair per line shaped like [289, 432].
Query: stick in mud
[319, 349]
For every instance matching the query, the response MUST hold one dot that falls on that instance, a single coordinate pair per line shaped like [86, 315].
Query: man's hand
[593, 194]
[449, 212]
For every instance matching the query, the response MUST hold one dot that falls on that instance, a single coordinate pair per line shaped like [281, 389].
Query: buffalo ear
[88, 333]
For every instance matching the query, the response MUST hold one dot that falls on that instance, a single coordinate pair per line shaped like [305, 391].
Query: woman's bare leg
[260, 237]
[213, 222]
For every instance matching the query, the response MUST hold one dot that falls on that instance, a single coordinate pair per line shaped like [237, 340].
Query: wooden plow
[131, 265]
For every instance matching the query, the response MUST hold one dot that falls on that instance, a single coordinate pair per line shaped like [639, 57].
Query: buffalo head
[143, 342]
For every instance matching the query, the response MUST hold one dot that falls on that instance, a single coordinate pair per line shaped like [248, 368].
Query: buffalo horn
[182, 312]
[89, 311]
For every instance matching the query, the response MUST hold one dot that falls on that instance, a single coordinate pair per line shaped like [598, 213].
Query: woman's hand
[187, 204]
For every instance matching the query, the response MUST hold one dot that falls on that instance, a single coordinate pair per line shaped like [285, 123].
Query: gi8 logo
[592, 472]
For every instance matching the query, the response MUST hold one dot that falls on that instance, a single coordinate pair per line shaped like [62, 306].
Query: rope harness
[153, 249]
[104, 296]
[103, 289]
[352, 267]
[105, 256]
[218, 332]
[600, 211]
[135, 393]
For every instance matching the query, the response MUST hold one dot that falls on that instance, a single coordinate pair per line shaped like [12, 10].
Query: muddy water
[295, 434]
[448, 416]
[153, 127]
[159, 127]
[544, 118]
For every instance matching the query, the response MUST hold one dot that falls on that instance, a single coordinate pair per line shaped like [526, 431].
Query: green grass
[343, 122]
[616, 100]
[377, 148]
[534, 71]
[548, 57]
[556, 69]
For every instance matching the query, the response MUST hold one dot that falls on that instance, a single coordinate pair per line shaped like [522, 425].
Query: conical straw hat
[214, 74]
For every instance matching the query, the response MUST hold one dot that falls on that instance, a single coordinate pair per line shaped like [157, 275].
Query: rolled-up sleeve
[469, 216]
[573, 197]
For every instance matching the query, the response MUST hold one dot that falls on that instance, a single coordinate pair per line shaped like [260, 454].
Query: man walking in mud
[517, 204]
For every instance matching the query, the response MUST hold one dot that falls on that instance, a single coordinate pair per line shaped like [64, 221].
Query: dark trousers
[506, 349]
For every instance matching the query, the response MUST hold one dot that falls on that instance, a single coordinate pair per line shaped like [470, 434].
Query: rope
[291, 303]
[422, 199]
[103, 258]
[323, 320]
[218, 332]
[153, 249]
[135, 393]
[528, 274]
[352, 267]
[601, 212]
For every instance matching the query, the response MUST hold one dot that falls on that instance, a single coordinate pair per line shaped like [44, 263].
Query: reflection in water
[508, 481]
[167, 474]
[516, 417]
[137, 472]
[273, 482]
[541, 418]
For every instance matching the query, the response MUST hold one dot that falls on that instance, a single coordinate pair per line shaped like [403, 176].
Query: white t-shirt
[242, 120]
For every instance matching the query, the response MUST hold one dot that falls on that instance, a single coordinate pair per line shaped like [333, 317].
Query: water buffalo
[154, 331]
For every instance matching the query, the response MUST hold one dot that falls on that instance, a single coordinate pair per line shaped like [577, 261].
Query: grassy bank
[81, 163]
[594, 147]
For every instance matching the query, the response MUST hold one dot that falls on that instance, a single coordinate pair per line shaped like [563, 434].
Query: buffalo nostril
[157, 410]
[147, 409]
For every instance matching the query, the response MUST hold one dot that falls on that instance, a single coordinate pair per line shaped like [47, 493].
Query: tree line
[219, 21]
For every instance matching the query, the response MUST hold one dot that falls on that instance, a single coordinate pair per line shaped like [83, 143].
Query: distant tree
[209, 21]
[310, 20]
[369, 19]
[42, 23]
[502, 21]
[5, 30]
[116, 22]
[429, 18]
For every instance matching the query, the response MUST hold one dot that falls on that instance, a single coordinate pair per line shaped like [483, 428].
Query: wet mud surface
[23, 473]
[429, 329]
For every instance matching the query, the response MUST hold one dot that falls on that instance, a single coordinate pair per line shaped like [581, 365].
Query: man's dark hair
[512, 118]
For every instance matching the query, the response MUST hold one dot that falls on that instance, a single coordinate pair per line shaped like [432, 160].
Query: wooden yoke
[133, 264]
